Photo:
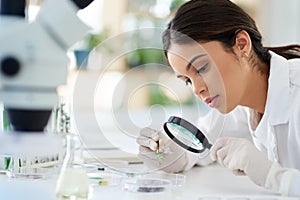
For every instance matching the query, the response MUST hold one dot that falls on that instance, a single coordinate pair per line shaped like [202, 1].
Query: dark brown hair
[219, 20]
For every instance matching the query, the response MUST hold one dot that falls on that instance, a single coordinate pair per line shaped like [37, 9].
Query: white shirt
[278, 132]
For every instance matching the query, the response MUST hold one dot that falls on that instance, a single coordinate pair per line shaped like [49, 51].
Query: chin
[224, 109]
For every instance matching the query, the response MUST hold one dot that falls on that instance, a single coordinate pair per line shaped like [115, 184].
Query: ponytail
[289, 51]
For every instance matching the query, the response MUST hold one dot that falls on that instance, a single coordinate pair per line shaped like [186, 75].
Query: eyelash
[203, 69]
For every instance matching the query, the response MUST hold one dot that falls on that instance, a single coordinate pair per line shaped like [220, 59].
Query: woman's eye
[188, 82]
[203, 68]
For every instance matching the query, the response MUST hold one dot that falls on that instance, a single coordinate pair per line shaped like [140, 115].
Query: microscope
[33, 63]
[33, 58]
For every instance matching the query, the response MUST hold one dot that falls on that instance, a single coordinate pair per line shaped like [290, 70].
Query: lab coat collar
[278, 90]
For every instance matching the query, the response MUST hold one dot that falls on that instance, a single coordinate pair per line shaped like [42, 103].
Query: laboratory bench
[211, 182]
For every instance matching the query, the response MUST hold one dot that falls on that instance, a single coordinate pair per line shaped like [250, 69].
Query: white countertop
[206, 181]
[200, 182]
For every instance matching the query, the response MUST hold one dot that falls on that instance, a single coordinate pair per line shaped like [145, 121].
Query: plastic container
[105, 179]
[147, 185]
[177, 180]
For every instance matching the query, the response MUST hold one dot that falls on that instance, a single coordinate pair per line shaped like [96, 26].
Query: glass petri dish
[147, 185]
[105, 179]
[177, 180]
[210, 198]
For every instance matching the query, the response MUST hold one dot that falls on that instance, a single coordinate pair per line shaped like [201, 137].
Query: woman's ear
[243, 44]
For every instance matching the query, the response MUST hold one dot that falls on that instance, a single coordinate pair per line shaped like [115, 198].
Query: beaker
[73, 181]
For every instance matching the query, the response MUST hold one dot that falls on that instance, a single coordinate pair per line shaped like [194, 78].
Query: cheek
[228, 69]
[214, 81]
[232, 83]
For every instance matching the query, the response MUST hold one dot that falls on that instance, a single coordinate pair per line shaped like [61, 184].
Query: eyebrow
[191, 62]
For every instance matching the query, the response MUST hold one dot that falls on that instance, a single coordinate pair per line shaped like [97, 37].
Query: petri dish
[147, 185]
[210, 198]
[237, 198]
[177, 180]
[105, 179]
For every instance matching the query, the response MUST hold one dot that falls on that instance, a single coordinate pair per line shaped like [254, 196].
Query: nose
[199, 87]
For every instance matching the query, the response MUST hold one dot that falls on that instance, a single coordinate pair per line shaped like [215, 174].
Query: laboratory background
[115, 82]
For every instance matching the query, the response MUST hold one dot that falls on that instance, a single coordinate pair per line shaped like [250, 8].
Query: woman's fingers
[150, 133]
[215, 150]
[147, 142]
[148, 138]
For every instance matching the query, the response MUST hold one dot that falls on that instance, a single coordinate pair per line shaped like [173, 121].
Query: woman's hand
[241, 156]
[157, 151]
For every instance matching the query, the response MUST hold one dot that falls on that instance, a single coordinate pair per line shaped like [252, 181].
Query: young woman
[215, 47]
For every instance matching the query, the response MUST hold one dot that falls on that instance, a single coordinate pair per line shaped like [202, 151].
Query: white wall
[280, 21]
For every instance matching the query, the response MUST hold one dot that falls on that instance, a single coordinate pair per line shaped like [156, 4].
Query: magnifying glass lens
[185, 136]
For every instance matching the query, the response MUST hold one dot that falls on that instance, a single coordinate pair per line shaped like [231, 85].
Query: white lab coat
[277, 134]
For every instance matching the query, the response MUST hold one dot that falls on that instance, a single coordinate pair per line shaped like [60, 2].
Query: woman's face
[216, 75]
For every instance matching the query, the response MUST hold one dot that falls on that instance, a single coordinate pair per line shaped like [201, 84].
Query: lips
[211, 101]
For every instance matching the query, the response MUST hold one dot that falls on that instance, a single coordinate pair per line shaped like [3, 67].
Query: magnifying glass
[186, 135]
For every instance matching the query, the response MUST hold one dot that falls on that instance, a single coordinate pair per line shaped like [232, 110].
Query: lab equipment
[177, 180]
[186, 135]
[147, 185]
[73, 181]
[33, 63]
[105, 178]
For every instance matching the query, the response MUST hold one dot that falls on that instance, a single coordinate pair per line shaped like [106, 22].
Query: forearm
[283, 180]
